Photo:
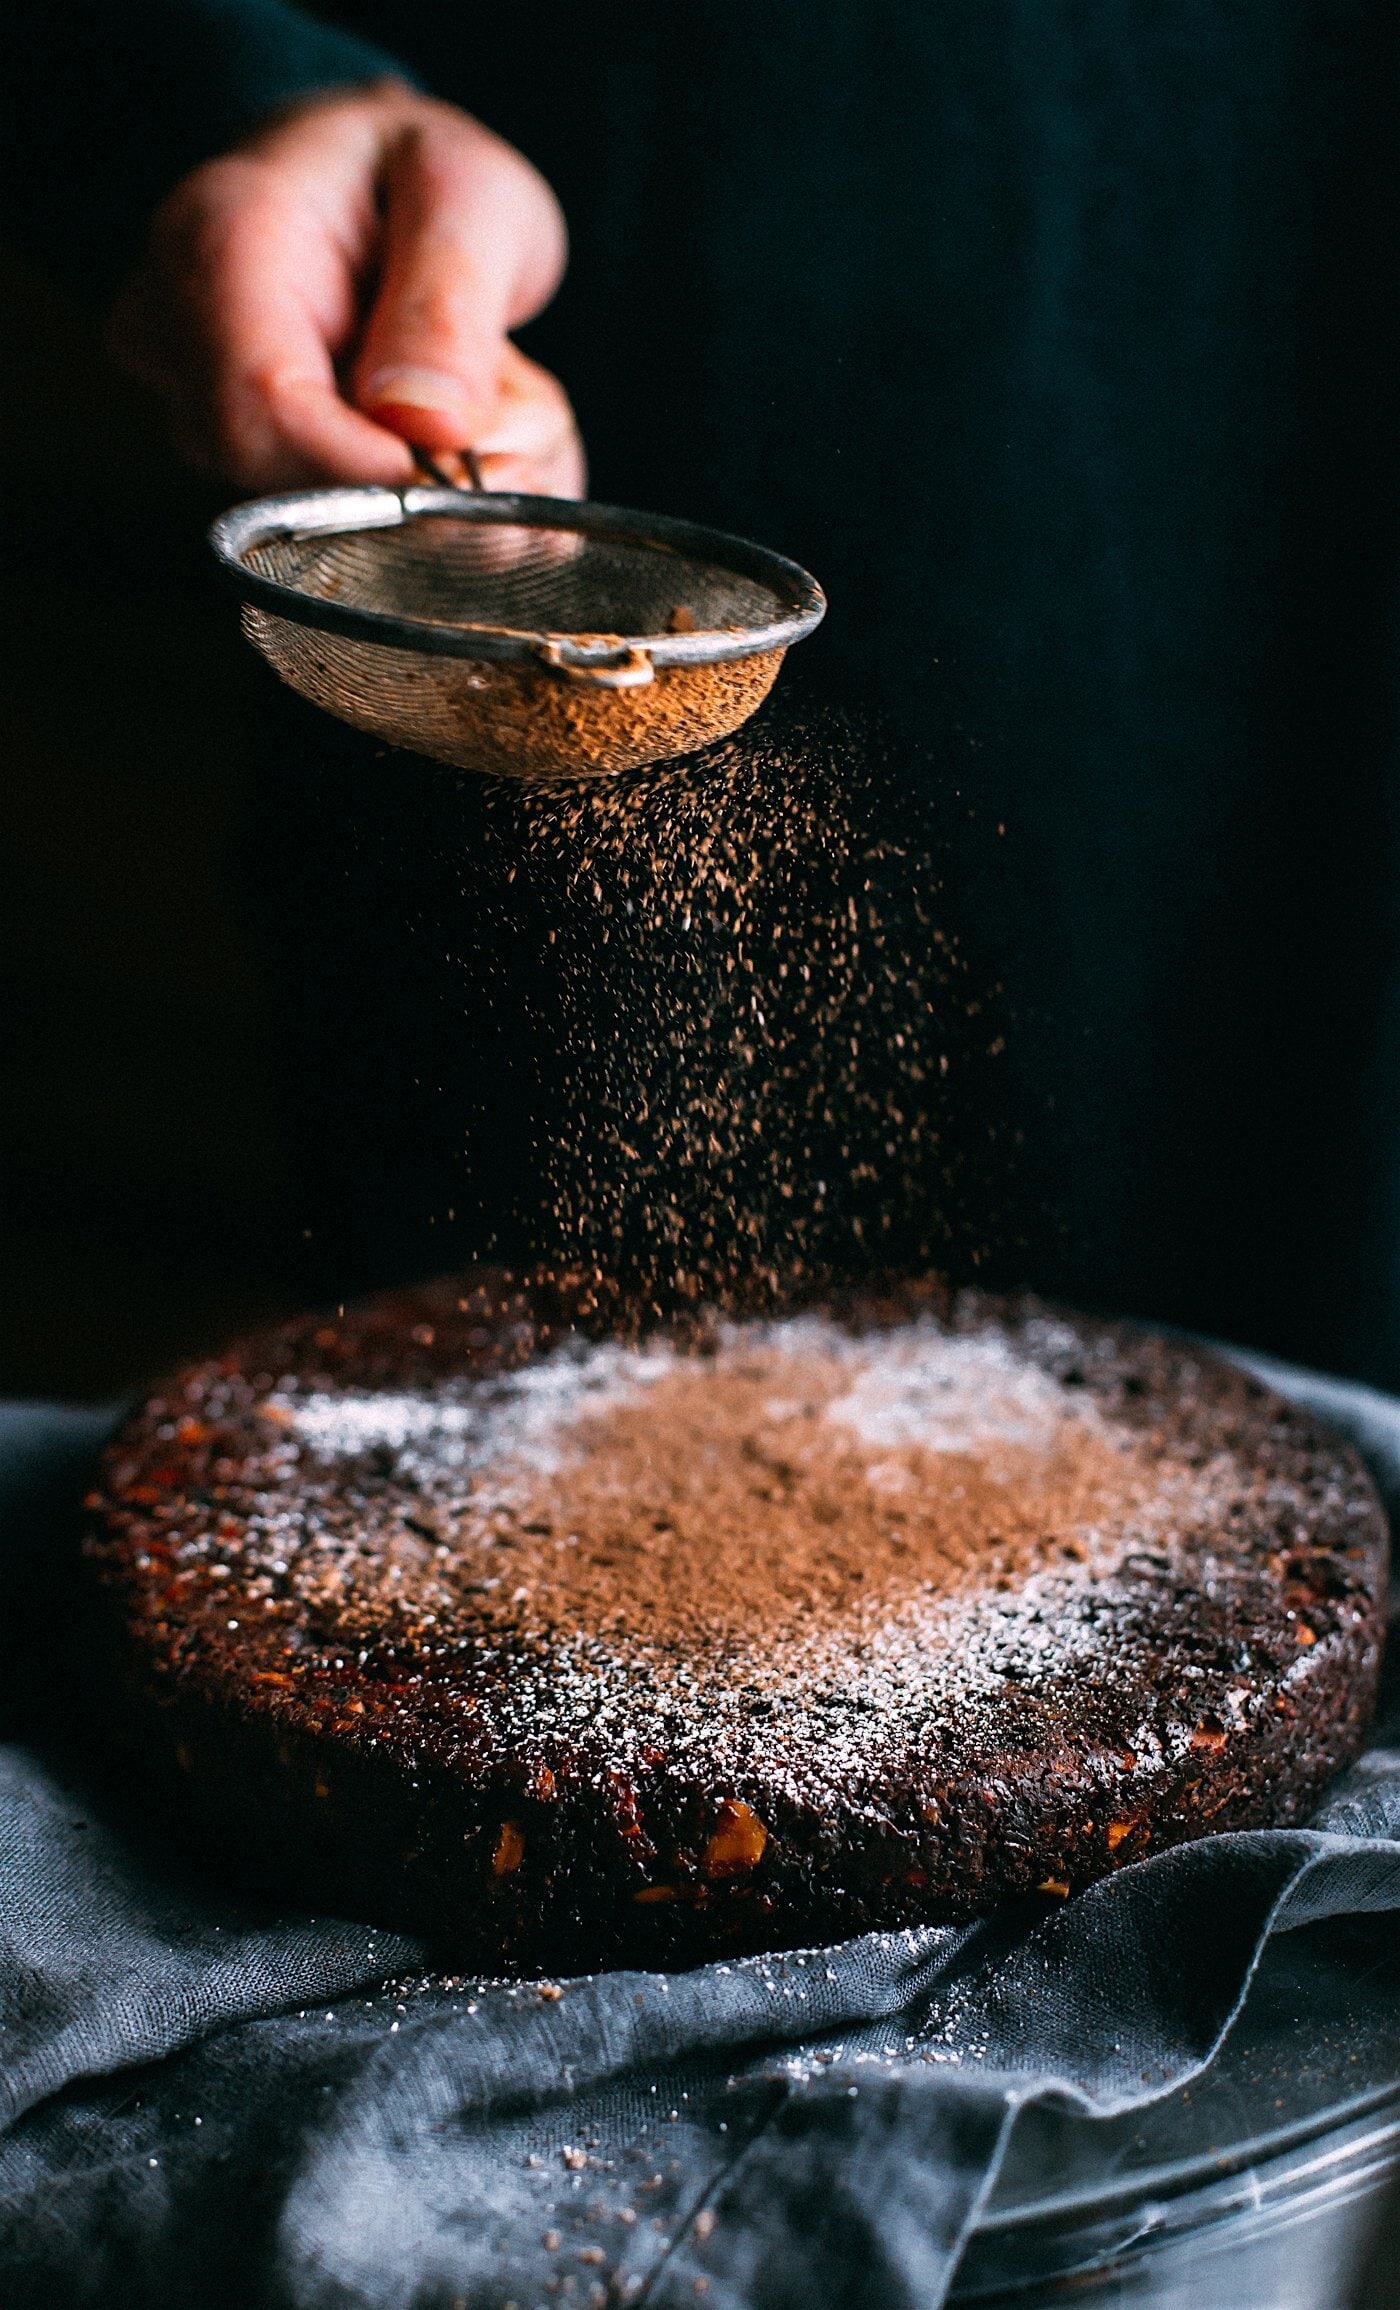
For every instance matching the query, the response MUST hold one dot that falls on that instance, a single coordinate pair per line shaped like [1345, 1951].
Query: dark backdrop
[1061, 341]
[142, 1204]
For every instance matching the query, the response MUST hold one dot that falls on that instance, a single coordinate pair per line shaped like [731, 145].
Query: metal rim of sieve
[611, 659]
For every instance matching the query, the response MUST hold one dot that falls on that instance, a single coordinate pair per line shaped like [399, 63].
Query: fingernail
[414, 389]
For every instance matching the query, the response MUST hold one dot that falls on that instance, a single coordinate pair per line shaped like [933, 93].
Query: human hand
[343, 285]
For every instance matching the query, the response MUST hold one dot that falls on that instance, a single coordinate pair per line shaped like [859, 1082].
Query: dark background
[1083, 403]
[143, 1207]
[279, 1020]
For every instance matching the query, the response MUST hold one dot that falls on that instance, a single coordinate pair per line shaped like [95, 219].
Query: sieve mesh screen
[554, 581]
[511, 720]
[526, 636]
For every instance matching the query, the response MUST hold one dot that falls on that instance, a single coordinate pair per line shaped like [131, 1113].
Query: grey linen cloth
[206, 2103]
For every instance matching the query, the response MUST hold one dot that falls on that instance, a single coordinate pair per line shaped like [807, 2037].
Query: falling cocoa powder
[769, 1063]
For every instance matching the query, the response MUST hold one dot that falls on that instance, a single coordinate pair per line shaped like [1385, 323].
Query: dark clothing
[1060, 338]
[105, 107]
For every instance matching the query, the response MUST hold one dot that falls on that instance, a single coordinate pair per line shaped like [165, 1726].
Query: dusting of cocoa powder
[585, 1649]
[787, 1483]
[724, 1503]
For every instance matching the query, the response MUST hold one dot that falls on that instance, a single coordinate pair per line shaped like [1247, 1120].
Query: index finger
[473, 244]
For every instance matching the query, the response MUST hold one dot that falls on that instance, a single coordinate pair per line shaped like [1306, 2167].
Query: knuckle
[237, 428]
[206, 193]
[446, 145]
[213, 222]
[437, 312]
[274, 395]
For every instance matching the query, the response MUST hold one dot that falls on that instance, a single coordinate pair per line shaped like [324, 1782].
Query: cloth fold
[199, 2100]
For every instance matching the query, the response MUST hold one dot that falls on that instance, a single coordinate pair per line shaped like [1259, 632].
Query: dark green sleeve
[106, 103]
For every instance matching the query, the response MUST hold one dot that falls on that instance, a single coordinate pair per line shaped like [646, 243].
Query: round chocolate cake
[572, 1649]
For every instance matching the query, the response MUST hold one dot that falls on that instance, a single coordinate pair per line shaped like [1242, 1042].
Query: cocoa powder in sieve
[531, 722]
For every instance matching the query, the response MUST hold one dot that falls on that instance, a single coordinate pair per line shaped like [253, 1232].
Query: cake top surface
[816, 1542]
[790, 1481]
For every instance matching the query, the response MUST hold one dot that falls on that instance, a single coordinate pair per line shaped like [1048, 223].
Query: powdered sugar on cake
[913, 1389]
[874, 1486]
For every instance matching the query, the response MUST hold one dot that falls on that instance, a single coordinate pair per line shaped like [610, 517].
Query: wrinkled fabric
[200, 2100]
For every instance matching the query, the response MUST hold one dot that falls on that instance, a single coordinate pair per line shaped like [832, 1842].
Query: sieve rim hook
[632, 671]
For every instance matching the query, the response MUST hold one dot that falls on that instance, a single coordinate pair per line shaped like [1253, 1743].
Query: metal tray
[1255, 2188]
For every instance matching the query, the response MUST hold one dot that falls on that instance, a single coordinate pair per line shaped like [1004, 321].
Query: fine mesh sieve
[529, 635]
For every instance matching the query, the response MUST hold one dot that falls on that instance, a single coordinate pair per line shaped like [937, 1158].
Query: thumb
[473, 244]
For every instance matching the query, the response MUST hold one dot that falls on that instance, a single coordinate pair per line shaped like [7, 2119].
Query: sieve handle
[428, 465]
[632, 672]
